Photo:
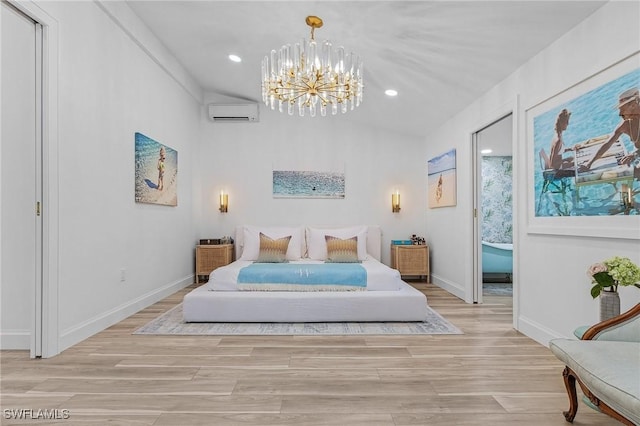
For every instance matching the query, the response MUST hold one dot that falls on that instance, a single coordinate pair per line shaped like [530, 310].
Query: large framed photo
[583, 164]
[156, 172]
[311, 182]
[441, 180]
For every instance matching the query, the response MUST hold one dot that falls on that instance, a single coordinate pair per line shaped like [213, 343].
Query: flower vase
[609, 304]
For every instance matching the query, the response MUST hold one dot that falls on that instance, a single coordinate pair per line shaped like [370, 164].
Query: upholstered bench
[606, 365]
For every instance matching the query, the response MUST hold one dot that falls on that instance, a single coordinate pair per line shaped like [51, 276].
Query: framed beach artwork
[156, 172]
[441, 171]
[584, 166]
[309, 183]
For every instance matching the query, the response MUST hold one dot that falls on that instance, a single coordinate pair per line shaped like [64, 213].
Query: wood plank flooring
[491, 375]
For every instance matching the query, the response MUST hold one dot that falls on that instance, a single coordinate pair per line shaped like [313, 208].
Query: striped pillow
[342, 251]
[273, 251]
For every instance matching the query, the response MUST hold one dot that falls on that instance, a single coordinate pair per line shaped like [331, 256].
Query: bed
[385, 298]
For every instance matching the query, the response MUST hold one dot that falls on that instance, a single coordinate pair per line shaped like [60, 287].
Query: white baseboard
[448, 286]
[524, 325]
[15, 340]
[80, 332]
[536, 331]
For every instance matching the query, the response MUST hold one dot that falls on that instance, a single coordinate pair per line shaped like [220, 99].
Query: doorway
[21, 181]
[493, 203]
[29, 261]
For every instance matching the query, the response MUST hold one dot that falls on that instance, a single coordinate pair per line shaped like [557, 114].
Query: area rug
[497, 289]
[171, 322]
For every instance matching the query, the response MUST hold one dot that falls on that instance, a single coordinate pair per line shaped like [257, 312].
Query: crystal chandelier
[312, 77]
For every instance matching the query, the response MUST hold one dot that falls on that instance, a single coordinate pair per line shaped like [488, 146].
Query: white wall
[109, 88]
[239, 158]
[552, 287]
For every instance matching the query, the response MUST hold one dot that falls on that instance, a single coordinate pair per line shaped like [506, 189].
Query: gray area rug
[497, 289]
[171, 322]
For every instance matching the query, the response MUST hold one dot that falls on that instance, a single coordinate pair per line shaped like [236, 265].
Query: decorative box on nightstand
[411, 260]
[210, 257]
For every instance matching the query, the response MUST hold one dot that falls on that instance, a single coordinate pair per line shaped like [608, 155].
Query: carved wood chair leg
[570, 384]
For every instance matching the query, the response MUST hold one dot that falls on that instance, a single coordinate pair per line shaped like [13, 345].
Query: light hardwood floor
[491, 375]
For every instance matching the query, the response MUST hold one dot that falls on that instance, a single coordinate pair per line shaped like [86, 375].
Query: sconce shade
[395, 202]
[224, 202]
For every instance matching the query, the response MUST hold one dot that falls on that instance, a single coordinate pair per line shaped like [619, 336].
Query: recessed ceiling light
[391, 92]
[235, 58]
[486, 151]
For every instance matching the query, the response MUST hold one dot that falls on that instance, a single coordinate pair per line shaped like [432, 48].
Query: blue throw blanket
[303, 277]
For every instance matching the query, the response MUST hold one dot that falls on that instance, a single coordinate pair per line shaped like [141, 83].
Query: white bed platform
[203, 305]
[405, 304]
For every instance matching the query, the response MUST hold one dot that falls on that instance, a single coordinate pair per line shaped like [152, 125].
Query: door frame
[45, 327]
[477, 217]
[509, 108]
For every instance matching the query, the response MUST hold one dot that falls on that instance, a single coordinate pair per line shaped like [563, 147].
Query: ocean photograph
[156, 176]
[441, 180]
[308, 184]
[594, 192]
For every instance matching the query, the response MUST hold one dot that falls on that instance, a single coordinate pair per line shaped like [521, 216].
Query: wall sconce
[224, 202]
[395, 202]
[625, 196]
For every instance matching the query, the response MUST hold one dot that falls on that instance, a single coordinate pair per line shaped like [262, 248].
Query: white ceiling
[439, 55]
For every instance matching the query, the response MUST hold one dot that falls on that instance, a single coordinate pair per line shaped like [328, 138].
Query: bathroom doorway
[494, 210]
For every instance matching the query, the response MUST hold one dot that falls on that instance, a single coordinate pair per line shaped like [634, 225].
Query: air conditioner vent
[234, 113]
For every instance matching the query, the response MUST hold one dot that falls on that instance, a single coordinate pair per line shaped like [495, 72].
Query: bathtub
[497, 258]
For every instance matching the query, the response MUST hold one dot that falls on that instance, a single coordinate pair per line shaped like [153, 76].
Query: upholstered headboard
[374, 240]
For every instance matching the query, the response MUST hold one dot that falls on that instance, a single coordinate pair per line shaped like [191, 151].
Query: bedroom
[97, 231]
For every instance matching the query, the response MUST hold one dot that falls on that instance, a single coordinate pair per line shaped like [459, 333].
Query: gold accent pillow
[342, 251]
[273, 251]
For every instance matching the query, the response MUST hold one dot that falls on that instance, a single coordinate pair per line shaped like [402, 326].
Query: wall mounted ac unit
[234, 113]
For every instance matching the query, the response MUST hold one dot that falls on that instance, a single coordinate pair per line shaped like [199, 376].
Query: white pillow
[251, 243]
[317, 245]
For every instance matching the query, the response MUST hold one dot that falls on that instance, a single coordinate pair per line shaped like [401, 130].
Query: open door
[493, 210]
[29, 214]
[21, 181]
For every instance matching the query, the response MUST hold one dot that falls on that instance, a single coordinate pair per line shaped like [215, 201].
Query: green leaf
[604, 279]
[595, 290]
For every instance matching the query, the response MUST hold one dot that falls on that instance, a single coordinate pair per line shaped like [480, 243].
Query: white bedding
[379, 276]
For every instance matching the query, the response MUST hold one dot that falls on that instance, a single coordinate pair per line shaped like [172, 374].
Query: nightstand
[411, 259]
[210, 257]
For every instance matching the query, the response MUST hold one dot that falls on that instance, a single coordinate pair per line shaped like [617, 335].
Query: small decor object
[606, 277]
[156, 175]
[609, 305]
[209, 241]
[417, 241]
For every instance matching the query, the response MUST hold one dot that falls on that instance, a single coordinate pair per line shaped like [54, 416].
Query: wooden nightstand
[411, 260]
[210, 257]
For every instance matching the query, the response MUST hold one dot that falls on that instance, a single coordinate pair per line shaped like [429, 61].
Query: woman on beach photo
[161, 169]
[439, 189]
